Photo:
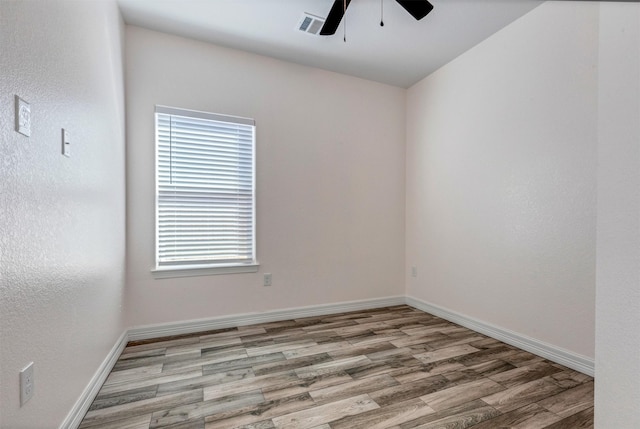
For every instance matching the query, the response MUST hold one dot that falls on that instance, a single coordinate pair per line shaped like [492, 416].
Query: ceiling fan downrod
[344, 13]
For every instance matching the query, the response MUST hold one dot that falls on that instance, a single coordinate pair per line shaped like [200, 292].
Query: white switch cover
[23, 117]
[66, 144]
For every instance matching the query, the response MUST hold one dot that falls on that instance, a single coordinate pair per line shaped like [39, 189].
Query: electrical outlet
[414, 272]
[267, 279]
[23, 117]
[26, 384]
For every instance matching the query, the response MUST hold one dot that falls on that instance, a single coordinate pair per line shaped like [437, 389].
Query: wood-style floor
[394, 368]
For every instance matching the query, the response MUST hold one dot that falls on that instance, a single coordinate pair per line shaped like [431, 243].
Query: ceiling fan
[416, 8]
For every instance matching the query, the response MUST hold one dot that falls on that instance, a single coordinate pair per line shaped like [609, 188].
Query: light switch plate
[66, 144]
[23, 117]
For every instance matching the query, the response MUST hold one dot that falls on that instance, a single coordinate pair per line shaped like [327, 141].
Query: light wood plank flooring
[394, 367]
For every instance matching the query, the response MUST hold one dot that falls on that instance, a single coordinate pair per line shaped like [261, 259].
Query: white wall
[330, 179]
[501, 179]
[62, 230]
[618, 249]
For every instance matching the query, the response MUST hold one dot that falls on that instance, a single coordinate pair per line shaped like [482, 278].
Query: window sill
[203, 270]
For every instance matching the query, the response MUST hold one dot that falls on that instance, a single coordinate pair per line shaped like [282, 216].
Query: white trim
[80, 408]
[201, 325]
[548, 351]
[169, 272]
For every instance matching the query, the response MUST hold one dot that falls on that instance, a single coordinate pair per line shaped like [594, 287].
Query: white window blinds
[205, 189]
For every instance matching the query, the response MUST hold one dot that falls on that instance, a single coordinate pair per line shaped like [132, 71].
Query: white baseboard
[75, 416]
[201, 325]
[559, 355]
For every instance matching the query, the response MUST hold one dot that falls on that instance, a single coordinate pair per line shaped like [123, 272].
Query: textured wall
[501, 179]
[618, 250]
[330, 179]
[62, 219]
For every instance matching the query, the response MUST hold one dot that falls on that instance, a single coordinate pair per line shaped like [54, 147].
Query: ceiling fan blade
[335, 16]
[417, 8]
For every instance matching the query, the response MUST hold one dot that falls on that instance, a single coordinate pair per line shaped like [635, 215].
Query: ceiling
[401, 53]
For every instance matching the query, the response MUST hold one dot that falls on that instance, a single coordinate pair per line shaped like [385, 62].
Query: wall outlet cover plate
[23, 117]
[26, 384]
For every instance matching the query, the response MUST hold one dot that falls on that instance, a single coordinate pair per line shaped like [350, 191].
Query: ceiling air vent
[310, 23]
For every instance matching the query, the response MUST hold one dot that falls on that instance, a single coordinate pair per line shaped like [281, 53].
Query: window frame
[187, 269]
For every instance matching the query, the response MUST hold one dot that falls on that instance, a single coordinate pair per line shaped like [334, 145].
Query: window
[205, 193]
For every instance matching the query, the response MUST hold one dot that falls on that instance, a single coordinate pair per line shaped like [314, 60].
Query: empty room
[319, 214]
